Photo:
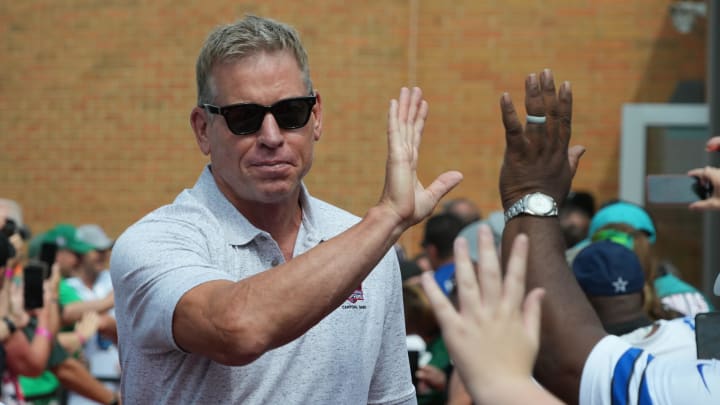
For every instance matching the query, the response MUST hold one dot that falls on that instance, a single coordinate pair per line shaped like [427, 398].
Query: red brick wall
[95, 96]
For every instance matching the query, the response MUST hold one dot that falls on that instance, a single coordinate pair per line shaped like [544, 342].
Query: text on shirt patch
[356, 296]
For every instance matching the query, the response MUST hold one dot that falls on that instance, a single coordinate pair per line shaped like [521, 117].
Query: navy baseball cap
[606, 269]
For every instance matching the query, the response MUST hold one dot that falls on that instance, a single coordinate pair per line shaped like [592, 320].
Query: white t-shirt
[671, 338]
[355, 355]
[617, 373]
[101, 354]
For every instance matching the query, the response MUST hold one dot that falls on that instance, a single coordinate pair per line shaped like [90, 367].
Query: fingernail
[566, 84]
[506, 98]
[547, 77]
[533, 79]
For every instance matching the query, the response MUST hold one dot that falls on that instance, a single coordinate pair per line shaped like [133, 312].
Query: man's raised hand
[537, 157]
[403, 193]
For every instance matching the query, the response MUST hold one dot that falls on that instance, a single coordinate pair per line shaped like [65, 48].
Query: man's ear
[317, 121]
[199, 123]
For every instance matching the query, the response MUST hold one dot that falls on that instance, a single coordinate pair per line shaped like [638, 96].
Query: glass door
[667, 139]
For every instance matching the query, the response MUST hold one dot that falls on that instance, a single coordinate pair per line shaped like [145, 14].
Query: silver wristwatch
[537, 204]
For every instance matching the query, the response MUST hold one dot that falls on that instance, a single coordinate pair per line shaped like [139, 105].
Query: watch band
[514, 210]
[535, 204]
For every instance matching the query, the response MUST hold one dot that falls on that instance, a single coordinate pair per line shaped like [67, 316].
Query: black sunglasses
[247, 118]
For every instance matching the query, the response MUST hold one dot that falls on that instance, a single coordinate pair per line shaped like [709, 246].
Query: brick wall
[95, 96]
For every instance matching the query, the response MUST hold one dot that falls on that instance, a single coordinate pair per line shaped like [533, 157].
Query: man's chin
[277, 193]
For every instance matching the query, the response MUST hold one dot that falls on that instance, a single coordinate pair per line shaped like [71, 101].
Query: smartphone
[414, 357]
[48, 250]
[33, 278]
[677, 189]
[707, 335]
[6, 249]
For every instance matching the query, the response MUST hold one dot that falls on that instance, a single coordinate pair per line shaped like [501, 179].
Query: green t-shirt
[67, 294]
[46, 383]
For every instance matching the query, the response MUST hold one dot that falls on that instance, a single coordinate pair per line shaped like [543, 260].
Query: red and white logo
[357, 295]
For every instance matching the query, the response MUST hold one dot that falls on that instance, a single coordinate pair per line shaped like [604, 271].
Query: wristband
[10, 324]
[43, 332]
[8, 273]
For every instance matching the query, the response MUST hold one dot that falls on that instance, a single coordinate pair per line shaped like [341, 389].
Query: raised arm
[235, 323]
[493, 336]
[537, 159]
[30, 357]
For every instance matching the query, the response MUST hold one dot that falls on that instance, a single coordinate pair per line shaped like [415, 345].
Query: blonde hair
[244, 38]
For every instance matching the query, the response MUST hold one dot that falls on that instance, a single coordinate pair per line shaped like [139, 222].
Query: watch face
[540, 204]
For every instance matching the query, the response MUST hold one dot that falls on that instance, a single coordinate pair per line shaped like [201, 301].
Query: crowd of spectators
[246, 289]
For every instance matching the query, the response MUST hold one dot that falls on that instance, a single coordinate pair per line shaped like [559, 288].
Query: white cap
[716, 290]
[11, 209]
[94, 235]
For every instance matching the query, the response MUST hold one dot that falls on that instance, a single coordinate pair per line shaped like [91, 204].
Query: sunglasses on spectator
[247, 118]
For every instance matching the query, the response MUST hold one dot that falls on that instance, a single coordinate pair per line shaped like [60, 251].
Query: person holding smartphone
[709, 175]
[31, 344]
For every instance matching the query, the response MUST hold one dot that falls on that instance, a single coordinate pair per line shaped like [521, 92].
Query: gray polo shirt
[356, 355]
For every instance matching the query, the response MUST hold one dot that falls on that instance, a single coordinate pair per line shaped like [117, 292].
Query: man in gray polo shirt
[246, 289]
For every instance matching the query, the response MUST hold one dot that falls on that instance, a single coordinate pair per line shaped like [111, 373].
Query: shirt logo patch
[357, 295]
[353, 301]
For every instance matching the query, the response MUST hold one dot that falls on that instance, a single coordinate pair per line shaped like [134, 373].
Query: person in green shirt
[63, 369]
[434, 366]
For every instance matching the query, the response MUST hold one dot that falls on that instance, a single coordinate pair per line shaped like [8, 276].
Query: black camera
[7, 250]
[9, 228]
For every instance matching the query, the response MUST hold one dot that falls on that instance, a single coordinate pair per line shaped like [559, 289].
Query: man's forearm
[25, 358]
[76, 377]
[570, 327]
[108, 327]
[318, 282]
[72, 312]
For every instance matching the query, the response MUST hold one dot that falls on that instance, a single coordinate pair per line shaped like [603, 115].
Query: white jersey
[617, 373]
[671, 338]
[101, 354]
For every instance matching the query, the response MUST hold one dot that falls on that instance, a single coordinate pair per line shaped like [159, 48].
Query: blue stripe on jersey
[621, 376]
[644, 394]
[702, 375]
[689, 322]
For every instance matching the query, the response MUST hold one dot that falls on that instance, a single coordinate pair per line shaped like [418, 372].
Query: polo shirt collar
[237, 229]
